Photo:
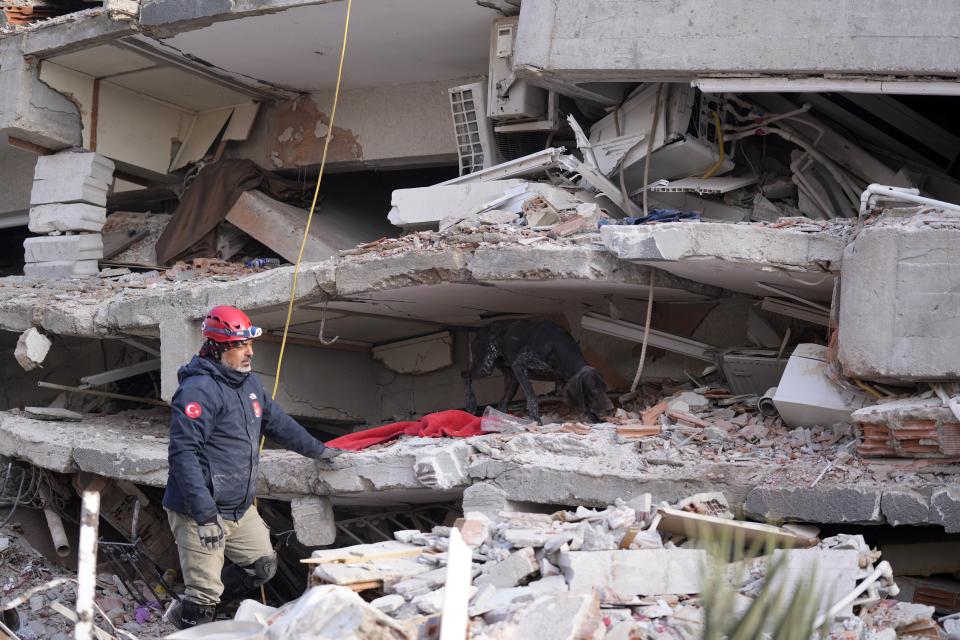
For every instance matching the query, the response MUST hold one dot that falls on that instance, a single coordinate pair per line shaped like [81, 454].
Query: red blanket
[453, 424]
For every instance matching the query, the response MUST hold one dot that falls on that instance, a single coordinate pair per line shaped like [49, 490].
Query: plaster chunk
[32, 349]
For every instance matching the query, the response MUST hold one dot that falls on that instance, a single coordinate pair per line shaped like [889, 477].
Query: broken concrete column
[313, 520]
[73, 248]
[69, 193]
[32, 348]
[898, 306]
[179, 341]
[77, 216]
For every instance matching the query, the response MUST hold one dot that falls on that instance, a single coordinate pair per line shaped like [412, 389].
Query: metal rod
[102, 394]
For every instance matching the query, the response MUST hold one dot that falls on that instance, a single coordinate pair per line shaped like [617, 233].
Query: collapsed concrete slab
[532, 470]
[898, 308]
[739, 257]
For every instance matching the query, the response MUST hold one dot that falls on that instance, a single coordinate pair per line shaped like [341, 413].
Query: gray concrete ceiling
[390, 42]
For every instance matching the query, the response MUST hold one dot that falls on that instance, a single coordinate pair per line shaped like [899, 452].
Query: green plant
[777, 611]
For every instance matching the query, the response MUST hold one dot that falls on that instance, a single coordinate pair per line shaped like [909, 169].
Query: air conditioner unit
[684, 143]
[476, 146]
[509, 98]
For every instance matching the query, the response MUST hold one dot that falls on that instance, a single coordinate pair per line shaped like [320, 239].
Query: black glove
[328, 454]
[212, 534]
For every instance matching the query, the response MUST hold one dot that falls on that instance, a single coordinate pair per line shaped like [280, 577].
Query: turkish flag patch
[257, 411]
[193, 410]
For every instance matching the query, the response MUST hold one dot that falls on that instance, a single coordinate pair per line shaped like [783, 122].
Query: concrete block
[834, 572]
[898, 306]
[443, 468]
[61, 269]
[78, 216]
[559, 617]
[69, 189]
[88, 165]
[628, 573]
[32, 348]
[84, 246]
[313, 520]
[516, 567]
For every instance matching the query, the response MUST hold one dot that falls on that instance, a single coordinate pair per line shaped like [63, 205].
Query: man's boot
[184, 614]
[236, 584]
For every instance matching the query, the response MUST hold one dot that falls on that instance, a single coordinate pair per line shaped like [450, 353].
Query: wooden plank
[28, 146]
[639, 431]
[629, 537]
[374, 557]
[688, 419]
[651, 415]
[686, 523]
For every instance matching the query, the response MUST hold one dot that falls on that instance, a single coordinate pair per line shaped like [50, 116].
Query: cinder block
[69, 188]
[83, 246]
[88, 165]
[61, 269]
[77, 216]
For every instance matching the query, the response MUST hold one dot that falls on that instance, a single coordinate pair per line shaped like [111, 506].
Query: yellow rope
[306, 231]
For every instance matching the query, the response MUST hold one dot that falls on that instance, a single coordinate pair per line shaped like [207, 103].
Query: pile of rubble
[41, 597]
[633, 570]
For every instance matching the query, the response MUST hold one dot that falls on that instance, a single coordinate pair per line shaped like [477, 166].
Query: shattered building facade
[760, 208]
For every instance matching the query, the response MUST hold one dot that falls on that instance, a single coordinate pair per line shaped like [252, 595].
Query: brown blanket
[192, 231]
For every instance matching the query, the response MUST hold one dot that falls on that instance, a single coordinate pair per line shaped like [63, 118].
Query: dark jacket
[218, 416]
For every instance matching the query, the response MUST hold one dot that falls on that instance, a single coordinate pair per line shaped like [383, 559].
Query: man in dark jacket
[219, 413]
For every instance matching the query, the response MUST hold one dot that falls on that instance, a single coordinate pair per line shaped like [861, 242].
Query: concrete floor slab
[735, 256]
[548, 469]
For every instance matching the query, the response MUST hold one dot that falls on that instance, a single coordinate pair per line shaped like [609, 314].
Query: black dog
[526, 350]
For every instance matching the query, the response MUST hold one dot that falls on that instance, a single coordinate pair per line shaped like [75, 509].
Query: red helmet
[229, 324]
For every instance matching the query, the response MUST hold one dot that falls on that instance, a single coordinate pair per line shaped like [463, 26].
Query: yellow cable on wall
[306, 230]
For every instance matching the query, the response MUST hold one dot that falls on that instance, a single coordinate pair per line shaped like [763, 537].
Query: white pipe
[800, 85]
[87, 565]
[57, 534]
[883, 570]
[870, 195]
